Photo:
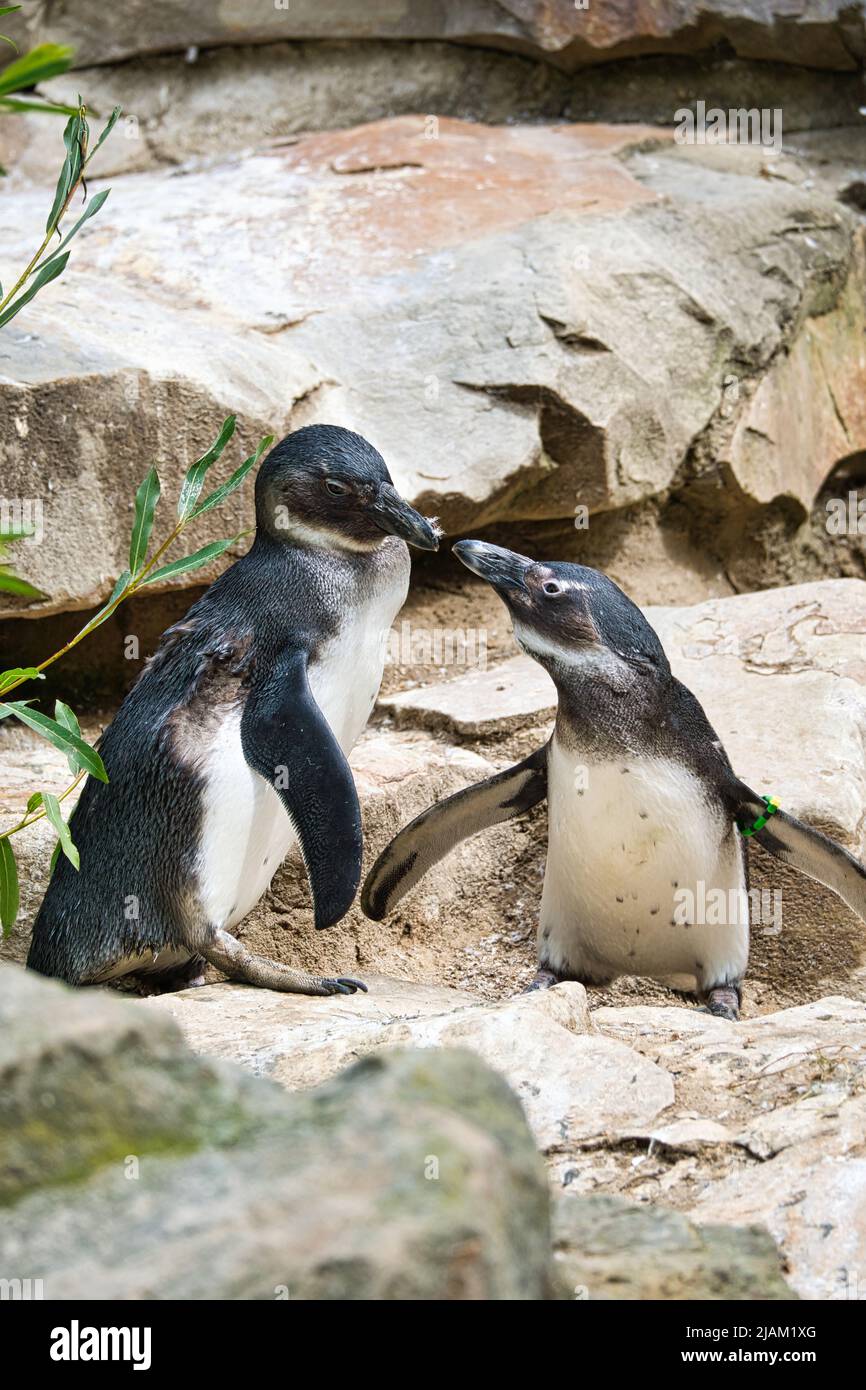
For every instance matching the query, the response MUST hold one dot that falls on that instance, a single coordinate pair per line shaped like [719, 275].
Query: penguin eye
[336, 489]
[551, 588]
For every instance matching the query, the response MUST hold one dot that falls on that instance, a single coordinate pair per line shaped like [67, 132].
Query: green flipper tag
[772, 806]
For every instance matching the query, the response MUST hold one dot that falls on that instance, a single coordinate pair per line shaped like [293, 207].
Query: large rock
[819, 33]
[86, 1079]
[412, 1175]
[543, 306]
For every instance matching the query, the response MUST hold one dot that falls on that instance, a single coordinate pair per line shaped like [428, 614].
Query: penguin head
[326, 487]
[570, 618]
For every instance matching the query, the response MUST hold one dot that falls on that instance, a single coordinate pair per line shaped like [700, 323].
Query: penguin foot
[342, 985]
[723, 1002]
[544, 979]
[231, 957]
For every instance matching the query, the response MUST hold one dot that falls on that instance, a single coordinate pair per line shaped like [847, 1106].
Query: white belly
[246, 833]
[642, 876]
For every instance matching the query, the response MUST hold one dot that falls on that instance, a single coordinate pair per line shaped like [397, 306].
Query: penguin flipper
[807, 850]
[288, 741]
[433, 834]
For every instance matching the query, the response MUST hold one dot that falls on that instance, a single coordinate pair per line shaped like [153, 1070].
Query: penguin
[232, 745]
[647, 820]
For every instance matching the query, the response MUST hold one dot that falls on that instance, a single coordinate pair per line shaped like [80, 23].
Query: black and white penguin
[233, 743]
[646, 815]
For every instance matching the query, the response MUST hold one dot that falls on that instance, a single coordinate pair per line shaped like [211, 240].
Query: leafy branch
[63, 730]
[42, 268]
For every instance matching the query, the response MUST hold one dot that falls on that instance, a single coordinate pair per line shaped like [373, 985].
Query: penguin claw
[344, 985]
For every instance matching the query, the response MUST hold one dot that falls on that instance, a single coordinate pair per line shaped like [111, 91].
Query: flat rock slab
[503, 699]
[573, 1084]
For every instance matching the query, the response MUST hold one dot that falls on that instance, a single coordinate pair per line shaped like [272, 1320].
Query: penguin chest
[635, 852]
[246, 832]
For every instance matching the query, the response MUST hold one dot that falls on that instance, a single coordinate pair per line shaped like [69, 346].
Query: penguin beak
[395, 517]
[503, 569]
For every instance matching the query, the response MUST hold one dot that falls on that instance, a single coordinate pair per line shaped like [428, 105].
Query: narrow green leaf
[228, 487]
[194, 480]
[34, 802]
[40, 278]
[110, 124]
[6, 710]
[9, 898]
[87, 758]
[55, 855]
[55, 815]
[64, 715]
[193, 562]
[51, 108]
[145, 506]
[8, 9]
[70, 170]
[44, 61]
[92, 208]
[12, 583]
[19, 673]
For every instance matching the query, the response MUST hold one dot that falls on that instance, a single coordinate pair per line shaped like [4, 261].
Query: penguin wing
[433, 834]
[288, 741]
[807, 850]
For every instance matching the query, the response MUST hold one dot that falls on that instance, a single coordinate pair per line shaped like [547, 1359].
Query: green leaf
[9, 897]
[55, 855]
[111, 123]
[87, 758]
[51, 108]
[145, 506]
[19, 673]
[42, 277]
[192, 562]
[42, 62]
[11, 583]
[228, 487]
[64, 715]
[194, 480]
[34, 802]
[75, 128]
[6, 710]
[92, 208]
[55, 815]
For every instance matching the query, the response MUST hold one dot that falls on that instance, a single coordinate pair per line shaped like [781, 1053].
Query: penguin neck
[288, 552]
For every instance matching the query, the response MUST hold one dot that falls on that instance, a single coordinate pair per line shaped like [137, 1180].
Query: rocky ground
[569, 333]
